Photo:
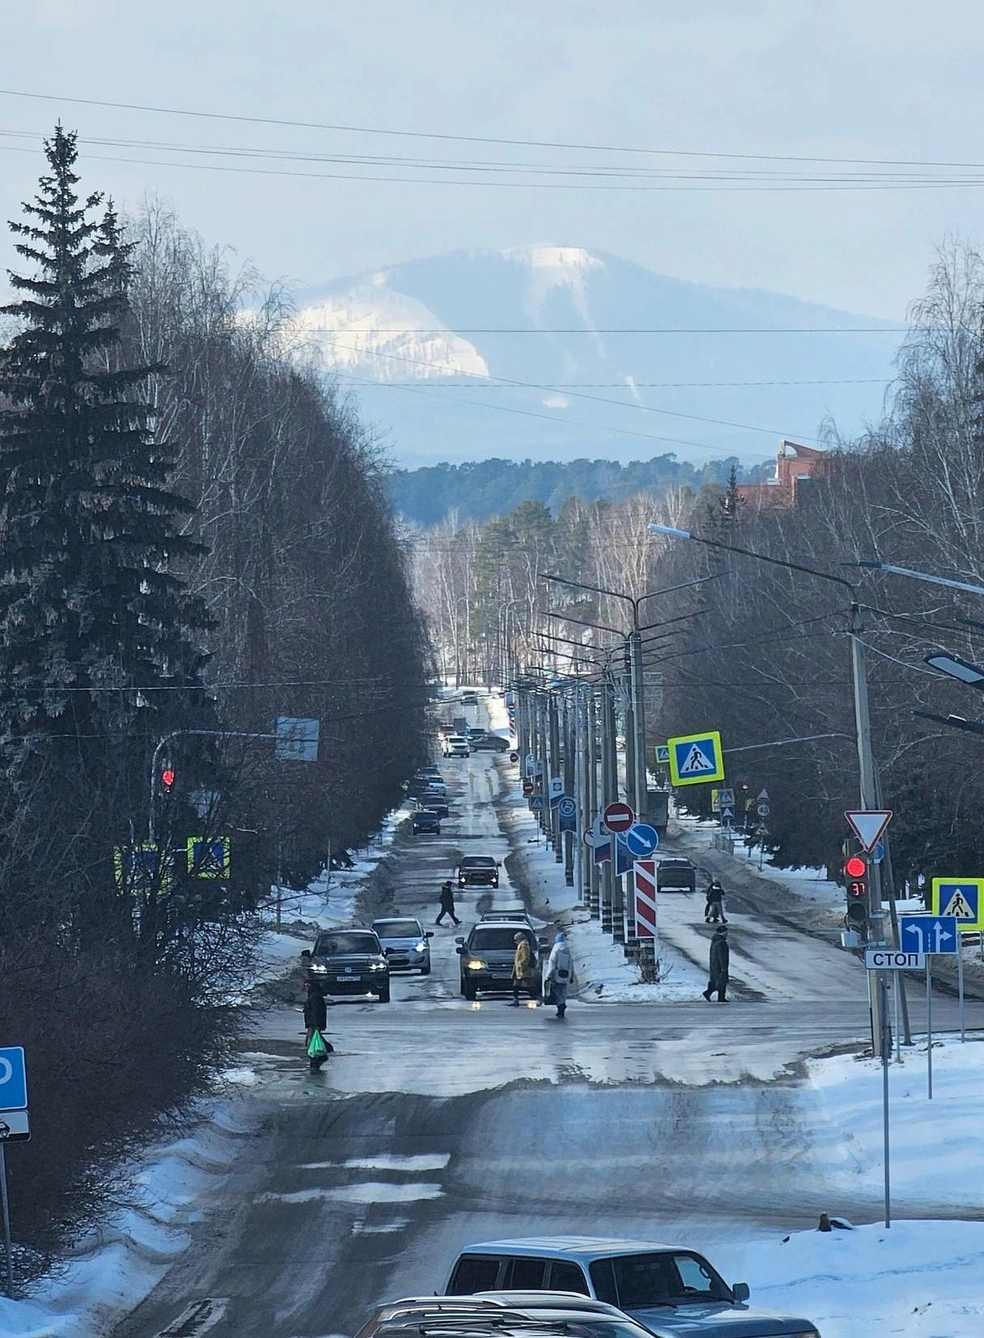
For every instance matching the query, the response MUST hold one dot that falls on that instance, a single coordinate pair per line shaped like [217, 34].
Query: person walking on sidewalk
[559, 973]
[522, 972]
[714, 904]
[315, 1021]
[447, 904]
[720, 957]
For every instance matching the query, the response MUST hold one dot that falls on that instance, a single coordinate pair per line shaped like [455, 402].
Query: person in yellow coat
[523, 971]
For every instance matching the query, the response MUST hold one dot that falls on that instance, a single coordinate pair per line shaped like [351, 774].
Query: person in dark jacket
[720, 957]
[447, 904]
[315, 1019]
[714, 904]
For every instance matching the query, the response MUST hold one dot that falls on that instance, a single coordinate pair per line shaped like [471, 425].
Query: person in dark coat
[714, 903]
[315, 1019]
[720, 957]
[447, 904]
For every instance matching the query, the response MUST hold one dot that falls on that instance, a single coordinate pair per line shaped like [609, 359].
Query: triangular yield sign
[868, 824]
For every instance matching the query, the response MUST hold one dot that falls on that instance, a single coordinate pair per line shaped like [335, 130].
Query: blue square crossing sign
[13, 1078]
[696, 758]
[963, 898]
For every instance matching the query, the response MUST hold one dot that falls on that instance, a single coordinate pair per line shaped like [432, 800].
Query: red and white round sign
[618, 817]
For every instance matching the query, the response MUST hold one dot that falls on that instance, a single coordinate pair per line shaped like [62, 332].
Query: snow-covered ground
[920, 1279]
[114, 1267]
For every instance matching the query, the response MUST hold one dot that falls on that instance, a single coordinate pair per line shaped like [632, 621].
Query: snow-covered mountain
[552, 352]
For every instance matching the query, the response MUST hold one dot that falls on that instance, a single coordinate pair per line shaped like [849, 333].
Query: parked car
[676, 874]
[493, 743]
[436, 800]
[350, 961]
[487, 960]
[478, 871]
[456, 745]
[474, 733]
[670, 1289]
[405, 943]
[469, 699]
[425, 821]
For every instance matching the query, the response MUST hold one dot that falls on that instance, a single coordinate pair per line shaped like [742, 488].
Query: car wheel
[469, 991]
[384, 995]
[425, 970]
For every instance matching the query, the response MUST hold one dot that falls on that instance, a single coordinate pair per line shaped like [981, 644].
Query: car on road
[425, 821]
[456, 745]
[487, 960]
[492, 743]
[478, 871]
[405, 943]
[350, 961]
[436, 800]
[514, 914]
[469, 699]
[674, 873]
[670, 1289]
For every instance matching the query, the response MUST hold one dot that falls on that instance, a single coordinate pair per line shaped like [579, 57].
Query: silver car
[405, 943]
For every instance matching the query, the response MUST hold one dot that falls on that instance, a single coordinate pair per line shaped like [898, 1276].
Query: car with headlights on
[478, 871]
[405, 943]
[487, 956]
[350, 961]
[672, 1290]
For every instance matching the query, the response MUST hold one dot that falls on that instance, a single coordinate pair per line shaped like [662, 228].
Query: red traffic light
[855, 867]
[167, 778]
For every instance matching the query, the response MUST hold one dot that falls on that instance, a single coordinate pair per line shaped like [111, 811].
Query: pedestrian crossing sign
[696, 758]
[963, 898]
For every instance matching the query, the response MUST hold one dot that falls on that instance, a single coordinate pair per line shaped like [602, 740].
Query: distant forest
[476, 491]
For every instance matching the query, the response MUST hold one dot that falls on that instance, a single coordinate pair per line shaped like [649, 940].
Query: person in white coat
[560, 970]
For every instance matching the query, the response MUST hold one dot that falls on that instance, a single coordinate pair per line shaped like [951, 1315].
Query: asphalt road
[438, 1122]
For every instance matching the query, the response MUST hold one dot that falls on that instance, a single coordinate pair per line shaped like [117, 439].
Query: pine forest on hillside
[195, 540]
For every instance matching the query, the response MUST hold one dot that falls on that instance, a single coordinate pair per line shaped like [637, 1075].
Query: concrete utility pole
[866, 757]
[593, 882]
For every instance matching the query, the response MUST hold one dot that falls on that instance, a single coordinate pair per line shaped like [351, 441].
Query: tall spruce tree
[91, 593]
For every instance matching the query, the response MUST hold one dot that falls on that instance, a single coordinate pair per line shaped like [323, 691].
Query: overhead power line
[402, 133]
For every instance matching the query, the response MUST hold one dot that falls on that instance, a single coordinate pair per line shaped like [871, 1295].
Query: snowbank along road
[439, 1122]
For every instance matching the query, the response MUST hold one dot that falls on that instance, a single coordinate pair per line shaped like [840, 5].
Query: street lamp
[919, 576]
[867, 782]
[635, 715]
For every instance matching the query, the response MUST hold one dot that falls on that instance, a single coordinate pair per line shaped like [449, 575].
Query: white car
[456, 745]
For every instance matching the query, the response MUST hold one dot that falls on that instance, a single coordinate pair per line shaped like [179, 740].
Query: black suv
[425, 820]
[487, 956]
[493, 743]
[478, 871]
[350, 961]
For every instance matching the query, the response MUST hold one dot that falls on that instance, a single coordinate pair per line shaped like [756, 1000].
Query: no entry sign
[618, 817]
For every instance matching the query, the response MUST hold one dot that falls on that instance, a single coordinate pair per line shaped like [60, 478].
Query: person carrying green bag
[315, 1021]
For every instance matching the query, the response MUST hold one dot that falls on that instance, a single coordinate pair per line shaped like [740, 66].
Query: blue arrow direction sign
[934, 935]
[642, 839]
[13, 1078]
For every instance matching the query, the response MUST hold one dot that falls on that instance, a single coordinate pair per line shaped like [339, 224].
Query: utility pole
[570, 768]
[591, 900]
[609, 793]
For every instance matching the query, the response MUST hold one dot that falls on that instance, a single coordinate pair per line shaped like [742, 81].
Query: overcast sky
[860, 79]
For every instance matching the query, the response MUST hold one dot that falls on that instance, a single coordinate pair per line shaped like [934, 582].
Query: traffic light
[167, 779]
[856, 883]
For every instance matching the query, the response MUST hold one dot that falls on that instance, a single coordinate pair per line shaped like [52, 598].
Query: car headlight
[421, 947]
[377, 966]
[476, 964]
[318, 969]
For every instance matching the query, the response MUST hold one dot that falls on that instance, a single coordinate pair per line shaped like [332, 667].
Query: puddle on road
[368, 1192]
[425, 1161]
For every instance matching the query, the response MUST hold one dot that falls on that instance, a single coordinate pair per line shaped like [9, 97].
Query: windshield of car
[634, 1281]
[478, 862]
[674, 864]
[351, 940]
[397, 928]
[489, 939]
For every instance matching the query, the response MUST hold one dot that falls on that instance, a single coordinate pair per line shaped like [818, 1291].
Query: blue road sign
[642, 839]
[878, 854]
[962, 898]
[727, 813]
[696, 758]
[13, 1078]
[566, 806]
[624, 858]
[536, 801]
[934, 935]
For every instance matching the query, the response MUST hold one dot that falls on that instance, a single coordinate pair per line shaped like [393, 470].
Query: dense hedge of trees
[195, 539]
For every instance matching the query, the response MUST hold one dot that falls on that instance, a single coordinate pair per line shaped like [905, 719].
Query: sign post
[929, 1028]
[886, 1049]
